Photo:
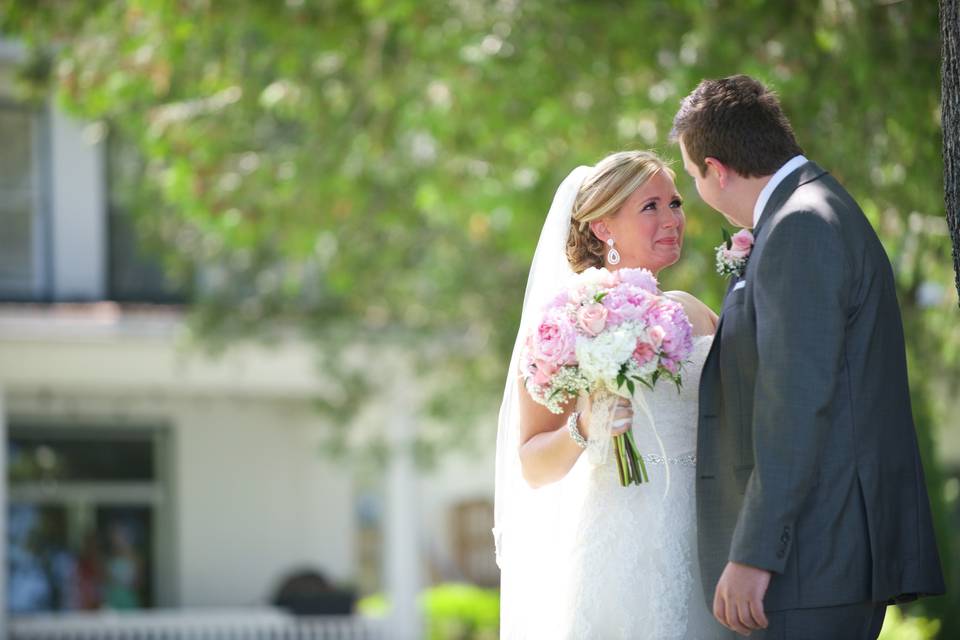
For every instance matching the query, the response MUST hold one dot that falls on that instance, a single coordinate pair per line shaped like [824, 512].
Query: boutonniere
[733, 254]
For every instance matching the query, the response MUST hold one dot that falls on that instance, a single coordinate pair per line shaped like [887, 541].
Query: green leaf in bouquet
[727, 238]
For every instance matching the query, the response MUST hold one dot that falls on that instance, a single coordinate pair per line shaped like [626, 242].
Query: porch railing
[193, 624]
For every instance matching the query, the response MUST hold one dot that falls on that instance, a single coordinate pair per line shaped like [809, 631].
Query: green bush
[896, 626]
[451, 611]
[466, 612]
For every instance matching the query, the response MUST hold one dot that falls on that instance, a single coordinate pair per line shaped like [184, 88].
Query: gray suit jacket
[807, 460]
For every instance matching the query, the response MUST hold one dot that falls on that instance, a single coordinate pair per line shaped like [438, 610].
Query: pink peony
[614, 302]
[592, 318]
[642, 299]
[657, 312]
[670, 365]
[555, 340]
[641, 278]
[678, 333]
[623, 306]
[562, 299]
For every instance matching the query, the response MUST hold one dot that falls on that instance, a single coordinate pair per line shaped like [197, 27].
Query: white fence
[193, 624]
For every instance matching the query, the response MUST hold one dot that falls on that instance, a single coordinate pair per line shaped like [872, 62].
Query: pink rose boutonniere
[733, 254]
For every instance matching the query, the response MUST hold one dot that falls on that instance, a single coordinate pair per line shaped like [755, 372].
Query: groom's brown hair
[739, 122]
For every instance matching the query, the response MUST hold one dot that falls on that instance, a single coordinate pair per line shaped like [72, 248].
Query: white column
[3, 515]
[402, 553]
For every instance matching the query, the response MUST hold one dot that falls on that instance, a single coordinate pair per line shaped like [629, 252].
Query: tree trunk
[950, 116]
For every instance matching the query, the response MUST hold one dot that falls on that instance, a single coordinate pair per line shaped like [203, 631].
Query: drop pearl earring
[613, 256]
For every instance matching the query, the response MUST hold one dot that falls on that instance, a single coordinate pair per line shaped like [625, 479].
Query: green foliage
[387, 166]
[377, 172]
[452, 611]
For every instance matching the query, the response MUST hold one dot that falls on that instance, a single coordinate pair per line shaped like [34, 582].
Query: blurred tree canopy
[374, 170]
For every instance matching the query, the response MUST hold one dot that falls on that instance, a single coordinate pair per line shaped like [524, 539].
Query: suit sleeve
[799, 286]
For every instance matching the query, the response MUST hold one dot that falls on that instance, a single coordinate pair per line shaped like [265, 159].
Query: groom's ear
[719, 169]
[599, 229]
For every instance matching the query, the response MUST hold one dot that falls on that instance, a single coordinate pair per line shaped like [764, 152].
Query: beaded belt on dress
[686, 461]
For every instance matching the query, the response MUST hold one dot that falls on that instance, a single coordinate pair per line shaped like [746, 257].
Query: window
[471, 522]
[83, 517]
[136, 272]
[23, 241]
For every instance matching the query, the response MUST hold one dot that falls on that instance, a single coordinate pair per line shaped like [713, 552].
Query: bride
[581, 556]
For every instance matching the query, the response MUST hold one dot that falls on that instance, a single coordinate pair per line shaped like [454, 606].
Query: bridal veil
[528, 523]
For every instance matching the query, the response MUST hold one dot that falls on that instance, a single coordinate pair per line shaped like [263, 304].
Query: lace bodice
[633, 571]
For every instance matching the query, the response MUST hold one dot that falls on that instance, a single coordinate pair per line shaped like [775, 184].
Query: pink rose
[644, 353]
[656, 335]
[742, 240]
[592, 318]
[543, 371]
[740, 245]
[734, 254]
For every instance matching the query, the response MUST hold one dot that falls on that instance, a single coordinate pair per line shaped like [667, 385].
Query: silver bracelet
[574, 431]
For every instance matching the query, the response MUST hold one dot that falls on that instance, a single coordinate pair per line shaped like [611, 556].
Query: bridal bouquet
[603, 335]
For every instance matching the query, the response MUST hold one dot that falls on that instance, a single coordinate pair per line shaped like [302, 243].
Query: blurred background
[262, 263]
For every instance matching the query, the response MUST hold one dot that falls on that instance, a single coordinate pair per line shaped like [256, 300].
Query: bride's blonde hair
[614, 179]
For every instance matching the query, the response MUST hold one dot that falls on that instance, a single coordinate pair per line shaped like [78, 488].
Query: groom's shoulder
[822, 194]
[804, 212]
[821, 203]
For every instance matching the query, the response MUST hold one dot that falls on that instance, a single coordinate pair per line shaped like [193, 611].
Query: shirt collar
[791, 165]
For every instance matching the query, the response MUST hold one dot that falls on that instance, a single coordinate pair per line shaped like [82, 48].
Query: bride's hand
[622, 416]
[621, 420]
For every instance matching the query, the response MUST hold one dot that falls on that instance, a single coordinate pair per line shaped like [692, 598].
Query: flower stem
[643, 468]
[631, 460]
[621, 472]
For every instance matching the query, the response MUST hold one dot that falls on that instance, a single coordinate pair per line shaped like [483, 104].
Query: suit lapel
[710, 376]
[713, 355]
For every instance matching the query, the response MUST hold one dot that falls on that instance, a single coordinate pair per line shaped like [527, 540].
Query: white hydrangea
[595, 278]
[600, 358]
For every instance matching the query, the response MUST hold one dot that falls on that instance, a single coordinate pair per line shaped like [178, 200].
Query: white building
[117, 429]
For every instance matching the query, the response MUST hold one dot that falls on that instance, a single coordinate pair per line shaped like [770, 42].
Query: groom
[812, 510]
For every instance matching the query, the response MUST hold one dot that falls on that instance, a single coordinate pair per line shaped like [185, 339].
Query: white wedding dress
[584, 558]
[630, 569]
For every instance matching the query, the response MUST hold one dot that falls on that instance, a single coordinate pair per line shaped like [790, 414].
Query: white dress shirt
[791, 165]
